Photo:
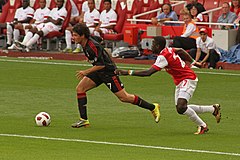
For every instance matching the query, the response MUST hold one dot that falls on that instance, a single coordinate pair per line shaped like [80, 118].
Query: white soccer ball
[43, 119]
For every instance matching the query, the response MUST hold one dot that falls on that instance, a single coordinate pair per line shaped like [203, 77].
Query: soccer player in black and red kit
[102, 71]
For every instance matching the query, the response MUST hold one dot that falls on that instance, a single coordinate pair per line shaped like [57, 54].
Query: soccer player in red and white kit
[184, 78]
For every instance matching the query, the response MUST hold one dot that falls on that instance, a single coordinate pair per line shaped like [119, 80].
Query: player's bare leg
[134, 99]
[83, 86]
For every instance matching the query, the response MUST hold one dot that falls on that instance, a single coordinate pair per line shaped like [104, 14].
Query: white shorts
[49, 27]
[185, 89]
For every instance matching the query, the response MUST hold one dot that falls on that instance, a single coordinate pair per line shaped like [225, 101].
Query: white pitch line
[121, 144]
[87, 65]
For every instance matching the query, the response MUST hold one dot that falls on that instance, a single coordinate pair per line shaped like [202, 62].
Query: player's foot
[81, 123]
[13, 46]
[217, 112]
[201, 130]
[77, 50]
[156, 112]
[67, 50]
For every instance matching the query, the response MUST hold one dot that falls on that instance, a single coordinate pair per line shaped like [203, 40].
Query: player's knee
[181, 106]
[80, 89]
[181, 109]
[123, 99]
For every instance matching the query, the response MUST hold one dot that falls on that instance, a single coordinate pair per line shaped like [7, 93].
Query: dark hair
[169, 5]
[160, 41]
[81, 29]
[194, 5]
[108, 1]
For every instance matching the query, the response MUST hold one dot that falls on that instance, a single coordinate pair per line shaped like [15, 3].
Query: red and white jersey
[41, 14]
[85, 7]
[74, 12]
[58, 13]
[90, 18]
[108, 18]
[174, 65]
[22, 14]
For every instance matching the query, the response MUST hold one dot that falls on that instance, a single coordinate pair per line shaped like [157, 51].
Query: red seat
[211, 4]
[65, 24]
[118, 28]
[79, 4]
[36, 5]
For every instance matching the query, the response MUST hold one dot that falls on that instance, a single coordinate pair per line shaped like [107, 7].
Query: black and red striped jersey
[98, 56]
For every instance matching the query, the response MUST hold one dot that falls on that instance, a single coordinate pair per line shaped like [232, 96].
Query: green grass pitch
[118, 131]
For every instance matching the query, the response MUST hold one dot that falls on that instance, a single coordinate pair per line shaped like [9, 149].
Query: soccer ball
[43, 119]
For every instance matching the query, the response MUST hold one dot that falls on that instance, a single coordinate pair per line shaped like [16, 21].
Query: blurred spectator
[196, 15]
[53, 23]
[22, 15]
[206, 50]
[190, 32]
[198, 5]
[227, 16]
[75, 17]
[167, 15]
[108, 19]
[36, 24]
[85, 8]
[235, 6]
[91, 19]
[2, 2]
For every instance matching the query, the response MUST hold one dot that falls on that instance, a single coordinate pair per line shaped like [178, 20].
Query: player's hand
[198, 64]
[121, 72]
[80, 75]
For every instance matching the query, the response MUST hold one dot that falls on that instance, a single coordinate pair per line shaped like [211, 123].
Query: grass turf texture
[28, 88]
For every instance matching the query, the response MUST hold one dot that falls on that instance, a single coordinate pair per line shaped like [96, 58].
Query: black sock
[142, 103]
[82, 105]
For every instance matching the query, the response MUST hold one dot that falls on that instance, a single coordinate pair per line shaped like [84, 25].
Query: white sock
[201, 109]
[27, 37]
[33, 40]
[68, 38]
[79, 45]
[16, 34]
[192, 115]
[9, 33]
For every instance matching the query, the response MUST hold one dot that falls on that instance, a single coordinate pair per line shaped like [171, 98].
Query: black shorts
[110, 79]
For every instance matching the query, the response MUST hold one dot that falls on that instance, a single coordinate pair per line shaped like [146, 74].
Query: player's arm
[206, 57]
[141, 73]
[81, 74]
[186, 57]
[56, 22]
[27, 20]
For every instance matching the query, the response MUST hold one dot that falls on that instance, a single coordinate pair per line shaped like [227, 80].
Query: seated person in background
[74, 14]
[36, 23]
[22, 15]
[198, 5]
[91, 19]
[227, 16]
[53, 23]
[74, 20]
[196, 15]
[206, 50]
[108, 19]
[235, 6]
[167, 15]
[190, 32]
